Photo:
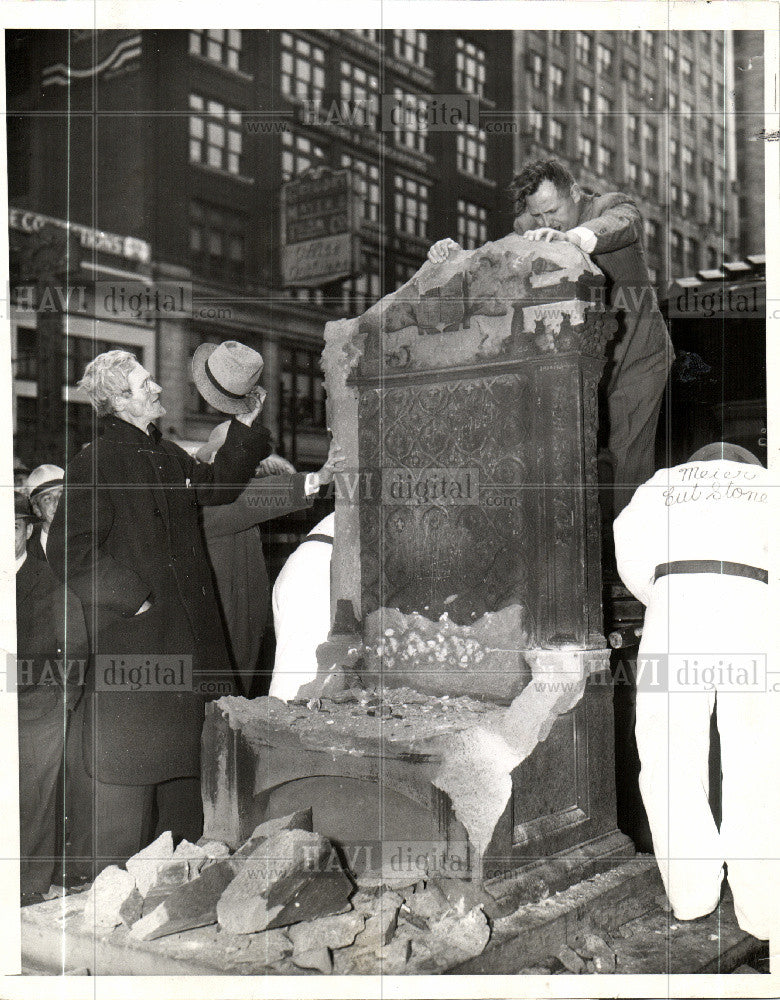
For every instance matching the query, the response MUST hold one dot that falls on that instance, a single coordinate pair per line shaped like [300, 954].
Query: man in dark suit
[127, 538]
[51, 659]
[552, 206]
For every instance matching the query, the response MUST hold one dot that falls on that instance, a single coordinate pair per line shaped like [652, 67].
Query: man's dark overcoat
[126, 531]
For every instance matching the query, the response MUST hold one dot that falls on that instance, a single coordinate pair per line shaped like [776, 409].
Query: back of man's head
[724, 451]
[534, 173]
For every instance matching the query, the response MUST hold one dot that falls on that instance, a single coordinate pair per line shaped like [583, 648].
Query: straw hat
[225, 374]
[44, 477]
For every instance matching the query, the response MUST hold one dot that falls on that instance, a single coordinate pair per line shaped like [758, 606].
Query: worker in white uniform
[301, 606]
[692, 546]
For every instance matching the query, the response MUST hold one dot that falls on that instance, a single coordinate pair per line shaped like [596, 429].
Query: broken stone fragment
[288, 878]
[110, 891]
[315, 958]
[191, 905]
[300, 820]
[453, 934]
[428, 904]
[595, 948]
[144, 865]
[571, 960]
[215, 850]
[268, 948]
[328, 932]
[382, 922]
[463, 896]
[132, 909]
[193, 854]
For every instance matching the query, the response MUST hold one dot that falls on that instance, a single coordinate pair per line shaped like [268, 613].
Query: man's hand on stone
[333, 464]
[254, 402]
[440, 250]
[545, 234]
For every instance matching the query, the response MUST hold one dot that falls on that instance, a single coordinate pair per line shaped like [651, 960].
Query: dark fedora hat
[22, 507]
[225, 374]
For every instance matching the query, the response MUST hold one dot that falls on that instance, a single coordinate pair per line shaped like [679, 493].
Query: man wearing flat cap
[127, 539]
[692, 546]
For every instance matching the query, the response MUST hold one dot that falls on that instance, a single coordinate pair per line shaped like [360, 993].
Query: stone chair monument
[466, 569]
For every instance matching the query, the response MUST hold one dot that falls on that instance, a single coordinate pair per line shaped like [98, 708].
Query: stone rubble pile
[285, 896]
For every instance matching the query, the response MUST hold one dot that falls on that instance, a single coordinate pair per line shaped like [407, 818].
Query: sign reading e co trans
[319, 219]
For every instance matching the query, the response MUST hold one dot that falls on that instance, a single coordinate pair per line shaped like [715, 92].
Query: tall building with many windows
[649, 113]
[183, 139]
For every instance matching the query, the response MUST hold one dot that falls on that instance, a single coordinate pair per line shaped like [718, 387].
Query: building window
[472, 225]
[650, 182]
[217, 242]
[673, 102]
[410, 45]
[299, 153]
[631, 76]
[359, 95]
[650, 134]
[303, 68]
[670, 55]
[692, 252]
[302, 389]
[605, 160]
[604, 105]
[536, 124]
[368, 183]
[27, 354]
[215, 135]
[648, 89]
[688, 202]
[370, 34]
[686, 69]
[411, 207]
[471, 149]
[556, 80]
[632, 129]
[556, 39]
[674, 194]
[584, 48]
[404, 271]
[720, 95]
[676, 252]
[585, 149]
[632, 174]
[674, 152]
[556, 134]
[603, 59]
[652, 235]
[713, 258]
[536, 67]
[687, 161]
[362, 291]
[586, 99]
[469, 67]
[686, 113]
[79, 351]
[410, 109]
[220, 45]
[648, 44]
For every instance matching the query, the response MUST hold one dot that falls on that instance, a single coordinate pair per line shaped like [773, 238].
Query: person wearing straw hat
[44, 487]
[127, 538]
[235, 546]
[692, 546]
[51, 644]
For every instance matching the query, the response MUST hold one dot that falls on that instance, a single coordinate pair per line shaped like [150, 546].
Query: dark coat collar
[116, 429]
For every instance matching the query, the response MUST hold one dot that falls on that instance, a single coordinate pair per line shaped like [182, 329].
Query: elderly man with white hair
[127, 539]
